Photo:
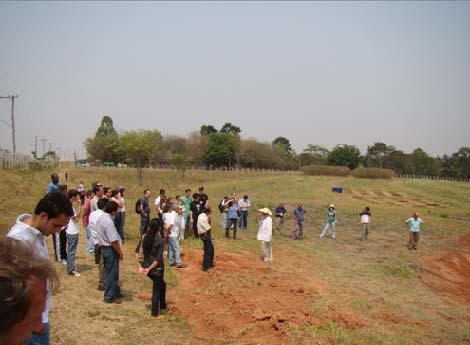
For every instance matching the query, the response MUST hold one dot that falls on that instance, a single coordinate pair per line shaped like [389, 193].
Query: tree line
[224, 148]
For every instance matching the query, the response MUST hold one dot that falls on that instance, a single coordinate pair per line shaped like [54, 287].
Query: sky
[322, 73]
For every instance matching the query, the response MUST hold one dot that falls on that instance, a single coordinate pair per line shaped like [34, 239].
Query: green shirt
[331, 217]
[186, 203]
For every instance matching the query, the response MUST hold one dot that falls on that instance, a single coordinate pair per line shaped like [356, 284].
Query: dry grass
[378, 282]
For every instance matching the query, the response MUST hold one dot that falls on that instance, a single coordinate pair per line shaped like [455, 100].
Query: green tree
[221, 150]
[106, 127]
[207, 129]
[284, 145]
[181, 163]
[313, 154]
[103, 146]
[140, 147]
[345, 155]
[377, 154]
[423, 164]
[228, 128]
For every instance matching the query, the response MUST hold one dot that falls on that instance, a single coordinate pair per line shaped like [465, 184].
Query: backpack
[221, 206]
[137, 206]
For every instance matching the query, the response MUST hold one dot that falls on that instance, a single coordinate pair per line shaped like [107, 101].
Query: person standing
[280, 213]
[116, 197]
[144, 212]
[110, 245]
[204, 231]
[86, 211]
[232, 219]
[94, 216]
[159, 201]
[51, 214]
[172, 235]
[365, 220]
[203, 198]
[73, 229]
[265, 233]
[330, 222]
[243, 204]
[180, 210]
[153, 266]
[299, 217]
[414, 223]
[195, 209]
[186, 200]
[54, 184]
[98, 191]
[122, 211]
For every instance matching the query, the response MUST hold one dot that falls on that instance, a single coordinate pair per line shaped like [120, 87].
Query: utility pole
[50, 147]
[36, 147]
[12, 98]
[43, 146]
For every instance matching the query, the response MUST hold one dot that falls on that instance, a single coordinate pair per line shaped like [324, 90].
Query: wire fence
[436, 178]
[13, 160]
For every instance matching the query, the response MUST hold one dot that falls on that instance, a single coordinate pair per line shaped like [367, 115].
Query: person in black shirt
[203, 198]
[195, 209]
[153, 266]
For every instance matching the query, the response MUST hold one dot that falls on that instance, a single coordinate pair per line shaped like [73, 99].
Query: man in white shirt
[172, 233]
[94, 216]
[110, 245]
[51, 214]
[204, 231]
[265, 233]
[243, 204]
[73, 229]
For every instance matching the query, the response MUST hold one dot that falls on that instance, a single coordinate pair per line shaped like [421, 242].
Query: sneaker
[181, 266]
[172, 264]
[75, 273]
[100, 288]
[64, 262]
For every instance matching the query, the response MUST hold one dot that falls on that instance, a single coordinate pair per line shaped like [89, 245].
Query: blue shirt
[232, 212]
[52, 187]
[299, 214]
[414, 224]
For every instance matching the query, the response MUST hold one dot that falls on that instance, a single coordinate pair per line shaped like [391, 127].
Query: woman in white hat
[331, 222]
[265, 233]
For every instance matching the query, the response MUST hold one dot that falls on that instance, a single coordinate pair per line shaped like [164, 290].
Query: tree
[345, 155]
[377, 154]
[103, 146]
[284, 145]
[423, 164]
[181, 162]
[462, 161]
[139, 147]
[313, 154]
[221, 150]
[207, 129]
[228, 128]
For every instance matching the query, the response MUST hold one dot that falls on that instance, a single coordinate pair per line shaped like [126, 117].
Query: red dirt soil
[449, 274]
[244, 298]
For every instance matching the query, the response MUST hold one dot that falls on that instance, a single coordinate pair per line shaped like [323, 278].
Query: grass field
[317, 291]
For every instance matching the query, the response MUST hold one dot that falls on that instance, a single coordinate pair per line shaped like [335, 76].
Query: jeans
[365, 231]
[144, 224]
[72, 241]
[40, 339]
[279, 223]
[63, 244]
[208, 258]
[243, 221]
[413, 242]
[90, 246]
[325, 230]
[195, 217]
[174, 251]
[118, 222]
[111, 274]
[56, 242]
[181, 226]
[158, 294]
[230, 222]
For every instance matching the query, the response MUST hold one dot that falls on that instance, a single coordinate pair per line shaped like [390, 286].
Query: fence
[13, 160]
[435, 178]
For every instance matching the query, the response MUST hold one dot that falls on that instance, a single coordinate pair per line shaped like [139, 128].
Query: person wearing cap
[414, 224]
[331, 222]
[265, 233]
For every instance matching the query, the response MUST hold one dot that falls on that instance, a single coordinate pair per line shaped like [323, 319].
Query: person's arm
[156, 256]
[117, 247]
[142, 211]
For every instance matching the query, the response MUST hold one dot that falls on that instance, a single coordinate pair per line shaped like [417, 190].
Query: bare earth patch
[244, 299]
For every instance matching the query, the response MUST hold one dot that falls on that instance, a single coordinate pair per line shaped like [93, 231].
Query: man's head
[98, 191]
[23, 290]
[89, 194]
[55, 178]
[196, 196]
[111, 207]
[299, 205]
[162, 192]
[281, 204]
[201, 189]
[107, 192]
[187, 192]
[415, 215]
[52, 213]
[367, 208]
[72, 195]
[102, 203]
[147, 193]
[245, 197]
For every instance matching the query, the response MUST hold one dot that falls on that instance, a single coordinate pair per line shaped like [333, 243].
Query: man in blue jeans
[243, 204]
[110, 245]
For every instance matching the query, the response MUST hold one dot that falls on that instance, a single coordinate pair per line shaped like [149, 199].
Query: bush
[322, 170]
[373, 173]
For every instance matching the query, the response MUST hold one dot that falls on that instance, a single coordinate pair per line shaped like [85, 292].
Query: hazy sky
[315, 72]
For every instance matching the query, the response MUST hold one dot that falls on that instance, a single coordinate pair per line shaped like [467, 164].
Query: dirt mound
[449, 275]
[244, 298]
[464, 241]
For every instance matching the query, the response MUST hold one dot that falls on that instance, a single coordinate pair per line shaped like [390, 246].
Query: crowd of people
[27, 285]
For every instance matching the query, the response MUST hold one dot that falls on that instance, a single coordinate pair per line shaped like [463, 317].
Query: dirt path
[246, 300]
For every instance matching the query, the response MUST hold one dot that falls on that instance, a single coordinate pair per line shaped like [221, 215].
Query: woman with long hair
[153, 266]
